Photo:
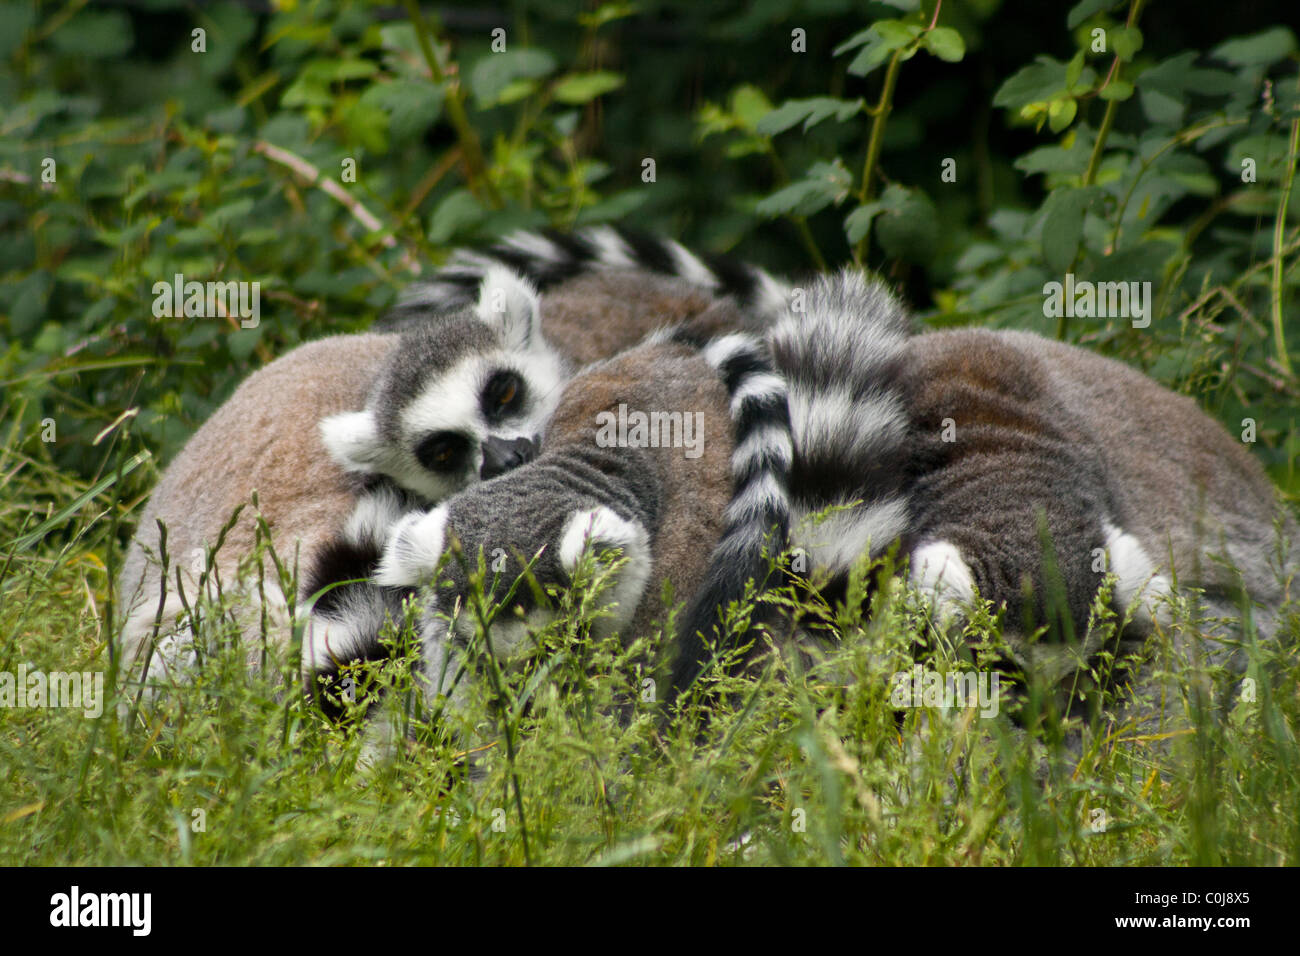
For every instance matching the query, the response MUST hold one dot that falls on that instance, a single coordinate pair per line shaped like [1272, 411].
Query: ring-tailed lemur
[1192, 526]
[266, 438]
[848, 419]
[468, 394]
[463, 397]
[963, 444]
[662, 508]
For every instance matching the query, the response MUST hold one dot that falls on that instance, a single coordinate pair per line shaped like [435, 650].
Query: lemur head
[462, 398]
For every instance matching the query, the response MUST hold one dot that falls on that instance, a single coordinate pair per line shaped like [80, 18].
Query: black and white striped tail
[347, 620]
[840, 350]
[549, 257]
[758, 516]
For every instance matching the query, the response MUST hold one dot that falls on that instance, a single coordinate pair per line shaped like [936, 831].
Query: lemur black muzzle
[500, 456]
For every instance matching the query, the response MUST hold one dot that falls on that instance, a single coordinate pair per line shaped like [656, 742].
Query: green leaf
[495, 71]
[1139, 262]
[1061, 113]
[233, 212]
[454, 216]
[1117, 90]
[1164, 87]
[311, 88]
[855, 41]
[517, 90]
[945, 43]
[1125, 41]
[353, 69]
[240, 343]
[613, 208]
[1074, 70]
[607, 13]
[410, 105]
[1087, 8]
[1037, 82]
[870, 58]
[29, 304]
[1179, 74]
[749, 105]
[908, 228]
[858, 223]
[881, 39]
[578, 88]
[810, 112]
[896, 33]
[1269, 151]
[60, 517]
[1063, 224]
[711, 119]
[15, 20]
[1163, 109]
[95, 35]
[1259, 49]
[825, 183]
[1053, 159]
[746, 146]
[260, 235]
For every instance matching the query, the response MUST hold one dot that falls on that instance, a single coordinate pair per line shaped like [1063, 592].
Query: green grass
[803, 760]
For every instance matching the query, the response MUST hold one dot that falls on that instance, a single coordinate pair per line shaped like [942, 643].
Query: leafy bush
[1117, 154]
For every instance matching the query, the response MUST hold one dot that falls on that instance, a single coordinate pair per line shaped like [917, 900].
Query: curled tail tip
[757, 519]
[844, 304]
[548, 257]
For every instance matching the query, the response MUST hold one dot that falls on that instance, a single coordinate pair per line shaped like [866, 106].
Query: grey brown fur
[265, 439]
[668, 509]
[1043, 425]
[1045, 432]
[1103, 453]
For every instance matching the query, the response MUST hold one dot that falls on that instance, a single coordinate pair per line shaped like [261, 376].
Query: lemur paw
[940, 574]
[1138, 581]
[413, 549]
[602, 528]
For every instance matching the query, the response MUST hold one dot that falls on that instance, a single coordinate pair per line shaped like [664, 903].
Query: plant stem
[1099, 146]
[1181, 138]
[879, 115]
[470, 147]
[1094, 161]
[498, 688]
[1112, 106]
[1279, 228]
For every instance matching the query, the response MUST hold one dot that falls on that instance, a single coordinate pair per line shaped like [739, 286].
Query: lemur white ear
[352, 439]
[508, 303]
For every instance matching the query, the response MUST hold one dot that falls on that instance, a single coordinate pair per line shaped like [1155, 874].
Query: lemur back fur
[1042, 429]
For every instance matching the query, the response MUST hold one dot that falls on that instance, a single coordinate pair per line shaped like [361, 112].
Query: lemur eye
[503, 395]
[443, 451]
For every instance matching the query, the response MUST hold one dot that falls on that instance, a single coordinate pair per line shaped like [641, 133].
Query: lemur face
[462, 399]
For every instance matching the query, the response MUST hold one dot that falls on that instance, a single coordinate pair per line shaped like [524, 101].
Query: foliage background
[172, 161]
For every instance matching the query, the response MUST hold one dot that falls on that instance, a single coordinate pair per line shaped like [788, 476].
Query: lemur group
[998, 466]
